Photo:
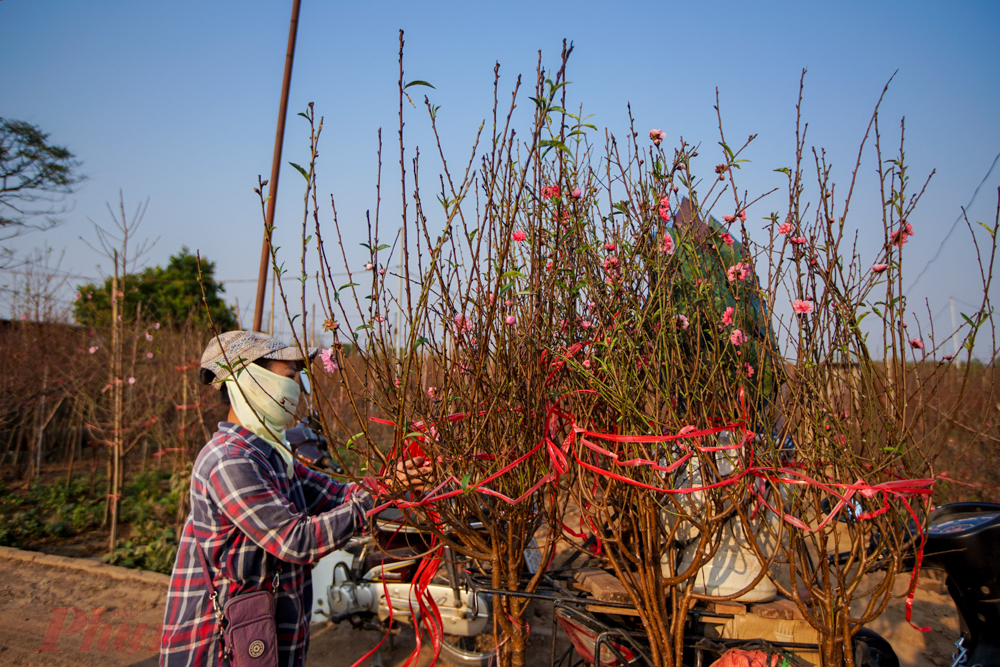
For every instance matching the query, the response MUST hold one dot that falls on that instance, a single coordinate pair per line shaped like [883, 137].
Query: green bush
[153, 547]
[56, 511]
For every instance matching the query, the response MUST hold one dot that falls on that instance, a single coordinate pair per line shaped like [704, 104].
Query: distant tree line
[170, 295]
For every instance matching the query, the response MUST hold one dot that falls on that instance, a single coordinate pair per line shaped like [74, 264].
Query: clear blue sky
[177, 101]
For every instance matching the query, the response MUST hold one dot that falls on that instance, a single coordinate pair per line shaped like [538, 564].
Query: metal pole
[265, 254]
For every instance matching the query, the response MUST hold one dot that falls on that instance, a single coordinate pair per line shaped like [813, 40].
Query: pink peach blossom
[664, 209]
[737, 338]
[727, 317]
[519, 235]
[802, 307]
[727, 239]
[683, 322]
[576, 193]
[667, 244]
[784, 228]
[739, 271]
[902, 235]
[916, 344]
[462, 324]
[511, 319]
[657, 136]
[798, 240]
[879, 268]
[329, 360]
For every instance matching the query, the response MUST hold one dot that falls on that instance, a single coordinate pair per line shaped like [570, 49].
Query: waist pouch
[250, 636]
[248, 633]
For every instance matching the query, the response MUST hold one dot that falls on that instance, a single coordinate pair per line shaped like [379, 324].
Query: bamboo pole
[272, 193]
[116, 393]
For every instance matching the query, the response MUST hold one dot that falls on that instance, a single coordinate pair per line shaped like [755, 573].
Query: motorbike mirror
[306, 387]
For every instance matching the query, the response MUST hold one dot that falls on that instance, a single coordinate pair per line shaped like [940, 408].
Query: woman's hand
[414, 474]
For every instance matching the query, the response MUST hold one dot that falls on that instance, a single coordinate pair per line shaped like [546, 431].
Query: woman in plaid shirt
[255, 511]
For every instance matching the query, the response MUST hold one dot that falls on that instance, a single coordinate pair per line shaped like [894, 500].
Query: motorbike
[380, 579]
[962, 540]
[394, 574]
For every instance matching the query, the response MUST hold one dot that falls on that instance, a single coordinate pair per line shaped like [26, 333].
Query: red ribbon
[558, 459]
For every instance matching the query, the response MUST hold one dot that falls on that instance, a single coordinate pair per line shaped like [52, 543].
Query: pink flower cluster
[329, 360]
[611, 267]
[902, 235]
[727, 317]
[737, 338]
[740, 271]
[519, 235]
[664, 209]
[550, 191]
[463, 324]
[667, 244]
[683, 322]
[784, 228]
[657, 136]
[802, 307]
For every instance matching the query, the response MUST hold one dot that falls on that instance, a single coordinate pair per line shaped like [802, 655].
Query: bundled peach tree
[555, 325]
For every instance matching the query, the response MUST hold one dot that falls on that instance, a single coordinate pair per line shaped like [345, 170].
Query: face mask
[265, 402]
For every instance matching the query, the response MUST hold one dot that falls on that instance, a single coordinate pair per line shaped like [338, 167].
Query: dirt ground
[35, 597]
[31, 595]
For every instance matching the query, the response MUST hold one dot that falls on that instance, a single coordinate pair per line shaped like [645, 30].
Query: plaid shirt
[250, 518]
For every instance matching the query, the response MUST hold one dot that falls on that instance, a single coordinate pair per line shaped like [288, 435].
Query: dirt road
[38, 594]
[38, 625]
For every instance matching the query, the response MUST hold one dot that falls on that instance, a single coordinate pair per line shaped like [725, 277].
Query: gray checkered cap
[234, 349]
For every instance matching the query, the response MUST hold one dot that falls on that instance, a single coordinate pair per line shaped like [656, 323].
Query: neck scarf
[265, 402]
